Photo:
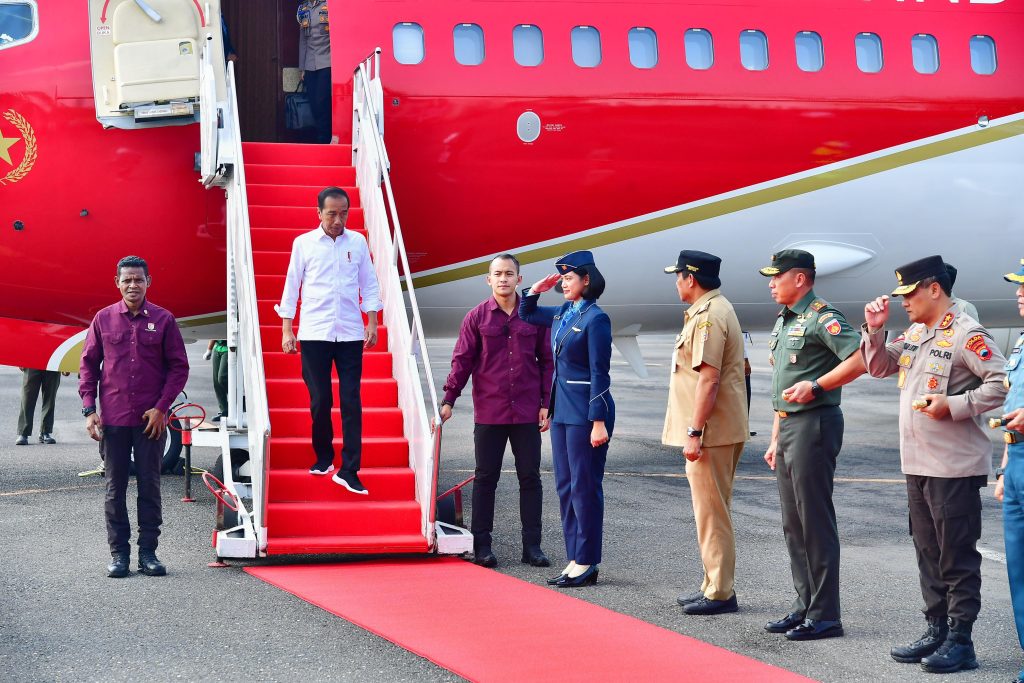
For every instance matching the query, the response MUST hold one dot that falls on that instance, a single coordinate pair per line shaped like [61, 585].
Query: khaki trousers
[711, 480]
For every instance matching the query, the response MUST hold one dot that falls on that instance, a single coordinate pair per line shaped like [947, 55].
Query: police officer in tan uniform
[949, 373]
[315, 62]
[707, 418]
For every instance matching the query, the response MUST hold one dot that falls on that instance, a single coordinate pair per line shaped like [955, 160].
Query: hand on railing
[445, 413]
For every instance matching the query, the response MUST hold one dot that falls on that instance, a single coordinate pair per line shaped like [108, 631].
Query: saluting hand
[1015, 420]
[541, 286]
[876, 313]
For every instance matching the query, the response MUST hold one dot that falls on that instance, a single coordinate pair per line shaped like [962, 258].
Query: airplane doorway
[264, 35]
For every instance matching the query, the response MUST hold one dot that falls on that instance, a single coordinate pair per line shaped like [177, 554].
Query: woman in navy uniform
[583, 413]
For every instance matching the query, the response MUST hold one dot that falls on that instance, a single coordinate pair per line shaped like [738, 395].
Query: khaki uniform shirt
[809, 339]
[314, 35]
[711, 334]
[956, 358]
[964, 306]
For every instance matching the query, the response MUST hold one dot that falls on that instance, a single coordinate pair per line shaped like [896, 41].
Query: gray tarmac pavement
[61, 619]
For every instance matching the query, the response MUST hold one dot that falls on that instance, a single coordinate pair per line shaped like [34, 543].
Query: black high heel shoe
[555, 580]
[587, 578]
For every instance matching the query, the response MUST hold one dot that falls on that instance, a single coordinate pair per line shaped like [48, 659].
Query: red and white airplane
[869, 132]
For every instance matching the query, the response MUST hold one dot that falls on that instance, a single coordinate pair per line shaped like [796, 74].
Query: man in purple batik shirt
[135, 353]
[510, 362]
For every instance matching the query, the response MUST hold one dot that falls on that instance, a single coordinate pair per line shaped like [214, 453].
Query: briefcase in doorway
[298, 112]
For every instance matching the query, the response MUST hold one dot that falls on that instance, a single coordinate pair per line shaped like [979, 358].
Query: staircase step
[280, 239]
[269, 316]
[376, 421]
[291, 195]
[292, 392]
[324, 176]
[296, 153]
[280, 364]
[383, 483]
[270, 286]
[296, 452]
[342, 545]
[358, 517]
[271, 336]
[295, 217]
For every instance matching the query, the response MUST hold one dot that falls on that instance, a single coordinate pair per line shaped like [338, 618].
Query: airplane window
[983, 55]
[407, 39]
[18, 23]
[586, 46]
[643, 48]
[700, 48]
[925, 50]
[469, 44]
[528, 45]
[810, 54]
[869, 52]
[754, 50]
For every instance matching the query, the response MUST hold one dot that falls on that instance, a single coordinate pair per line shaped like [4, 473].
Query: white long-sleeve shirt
[332, 275]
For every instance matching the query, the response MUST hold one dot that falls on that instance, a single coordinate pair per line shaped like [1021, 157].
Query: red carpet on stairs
[307, 514]
[485, 626]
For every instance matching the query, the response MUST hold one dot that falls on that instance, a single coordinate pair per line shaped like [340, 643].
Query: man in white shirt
[333, 268]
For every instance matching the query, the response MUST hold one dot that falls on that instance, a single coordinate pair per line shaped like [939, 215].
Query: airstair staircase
[271, 194]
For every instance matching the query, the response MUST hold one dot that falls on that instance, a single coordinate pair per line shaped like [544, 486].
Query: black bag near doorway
[298, 112]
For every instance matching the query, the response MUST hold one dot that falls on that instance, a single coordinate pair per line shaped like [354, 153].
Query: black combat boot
[149, 564]
[925, 645]
[956, 653]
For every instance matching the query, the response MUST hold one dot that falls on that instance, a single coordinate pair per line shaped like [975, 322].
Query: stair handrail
[252, 383]
[373, 173]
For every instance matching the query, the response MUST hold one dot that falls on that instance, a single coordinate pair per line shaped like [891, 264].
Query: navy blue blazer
[581, 386]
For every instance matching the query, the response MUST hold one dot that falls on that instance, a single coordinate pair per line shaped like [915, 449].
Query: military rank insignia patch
[905, 360]
[818, 305]
[833, 327]
[933, 383]
[979, 347]
[947, 320]
[948, 333]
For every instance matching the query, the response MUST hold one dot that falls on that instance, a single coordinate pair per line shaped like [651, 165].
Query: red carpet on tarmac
[485, 626]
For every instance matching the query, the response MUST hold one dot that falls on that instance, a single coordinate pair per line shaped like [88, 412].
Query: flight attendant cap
[574, 260]
[1018, 277]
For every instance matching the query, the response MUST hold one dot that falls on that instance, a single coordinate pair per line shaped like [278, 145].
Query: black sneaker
[320, 470]
[47, 438]
[350, 480]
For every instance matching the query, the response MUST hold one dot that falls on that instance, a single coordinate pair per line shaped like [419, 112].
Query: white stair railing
[406, 341]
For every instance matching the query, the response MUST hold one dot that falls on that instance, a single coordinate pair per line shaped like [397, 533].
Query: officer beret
[701, 264]
[573, 260]
[910, 275]
[1018, 277]
[787, 259]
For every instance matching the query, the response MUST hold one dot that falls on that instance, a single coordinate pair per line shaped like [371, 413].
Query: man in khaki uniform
[707, 418]
[949, 373]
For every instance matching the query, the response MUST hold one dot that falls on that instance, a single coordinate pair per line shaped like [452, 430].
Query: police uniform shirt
[314, 35]
[956, 358]
[809, 339]
[711, 334]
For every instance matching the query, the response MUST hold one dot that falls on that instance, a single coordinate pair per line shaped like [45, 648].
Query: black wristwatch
[816, 388]
[88, 410]
[1000, 471]
[690, 431]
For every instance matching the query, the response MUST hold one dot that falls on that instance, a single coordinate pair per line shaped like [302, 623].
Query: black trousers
[220, 380]
[318, 88]
[945, 523]
[118, 447]
[32, 383]
[347, 358]
[805, 464]
[490, 442]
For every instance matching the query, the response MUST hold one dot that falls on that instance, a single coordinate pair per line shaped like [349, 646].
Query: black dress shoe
[149, 565]
[485, 558]
[587, 578]
[555, 580]
[684, 600]
[535, 557]
[785, 623]
[706, 606]
[22, 441]
[815, 629]
[118, 567]
[47, 438]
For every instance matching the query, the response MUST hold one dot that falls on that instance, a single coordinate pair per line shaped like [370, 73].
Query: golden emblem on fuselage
[28, 139]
